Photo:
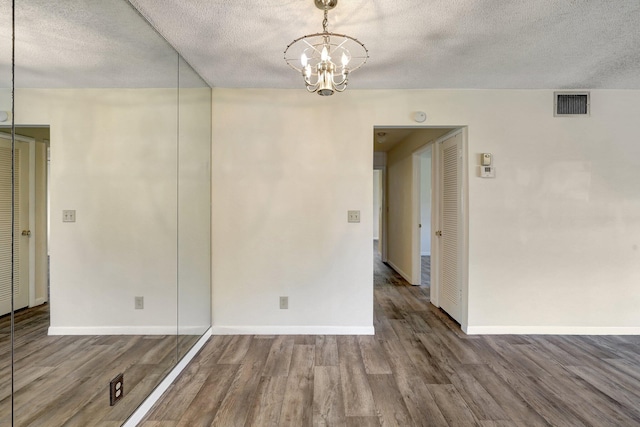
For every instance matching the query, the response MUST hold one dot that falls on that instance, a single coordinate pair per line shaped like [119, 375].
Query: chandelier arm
[343, 82]
[343, 85]
[310, 87]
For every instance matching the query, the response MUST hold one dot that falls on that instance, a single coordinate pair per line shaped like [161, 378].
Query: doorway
[423, 188]
[31, 266]
[417, 210]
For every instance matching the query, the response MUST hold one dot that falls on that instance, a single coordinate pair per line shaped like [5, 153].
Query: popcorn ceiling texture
[422, 44]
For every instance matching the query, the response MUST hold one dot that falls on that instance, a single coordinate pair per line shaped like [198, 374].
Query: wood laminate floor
[418, 370]
[425, 271]
[64, 380]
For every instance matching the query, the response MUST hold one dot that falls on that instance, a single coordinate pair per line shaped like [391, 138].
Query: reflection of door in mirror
[21, 242]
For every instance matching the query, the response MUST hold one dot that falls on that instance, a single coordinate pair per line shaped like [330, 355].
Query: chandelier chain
[325, 21]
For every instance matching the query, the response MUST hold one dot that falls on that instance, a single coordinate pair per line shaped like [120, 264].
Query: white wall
[553, 239]
[400, 222]
[113, 160]
[377, 202]
[281, 192]
[425, 202]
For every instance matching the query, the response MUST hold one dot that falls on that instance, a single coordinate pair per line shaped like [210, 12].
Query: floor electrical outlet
[116, 389]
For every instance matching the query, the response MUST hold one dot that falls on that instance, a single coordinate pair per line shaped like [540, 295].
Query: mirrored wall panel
[7, 228]
[113, 136]
[194, 207]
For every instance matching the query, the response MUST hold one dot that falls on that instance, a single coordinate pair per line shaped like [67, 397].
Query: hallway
[418, 369]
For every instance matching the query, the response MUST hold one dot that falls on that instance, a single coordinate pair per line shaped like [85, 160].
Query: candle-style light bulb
[345, 59]
[325, 54]
[304, 60]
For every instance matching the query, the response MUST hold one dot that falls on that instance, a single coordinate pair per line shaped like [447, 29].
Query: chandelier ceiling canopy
[326, 59]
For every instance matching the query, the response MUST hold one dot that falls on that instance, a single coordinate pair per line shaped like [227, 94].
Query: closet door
[18, 279]
[451, 232]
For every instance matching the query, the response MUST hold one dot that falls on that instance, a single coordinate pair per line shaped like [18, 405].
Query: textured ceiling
[559, 44]
[85, 43]
[546, 44]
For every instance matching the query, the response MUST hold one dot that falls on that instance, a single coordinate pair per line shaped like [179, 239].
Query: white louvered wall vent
[571, 104]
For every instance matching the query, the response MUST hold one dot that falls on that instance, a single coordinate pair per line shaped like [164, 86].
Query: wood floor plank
[590, 407]
[417, 398]
[363, 422]
[267, 405]
[279, 359]
[516, 408]
[358, 399]
[205, 404]
[478, 399]
[427, 365]
[547, 405]
[189, 385]
[626, 368]
[235, 350]
[617, 391]
[389, 401]
[297, 407]
[373, 356]
[452, 405]
[326, 350]
[328, 403]
[233, 409]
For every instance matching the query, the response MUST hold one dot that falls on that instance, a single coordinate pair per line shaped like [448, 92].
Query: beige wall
[553, 239]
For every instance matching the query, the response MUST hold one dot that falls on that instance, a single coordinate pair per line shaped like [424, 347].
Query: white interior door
[21, 242]
[451, 231]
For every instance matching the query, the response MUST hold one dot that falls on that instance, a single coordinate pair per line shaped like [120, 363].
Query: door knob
[439, 233]
[26, 233]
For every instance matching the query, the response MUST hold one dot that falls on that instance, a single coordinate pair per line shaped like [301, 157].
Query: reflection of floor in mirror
[419, 368]
[65, 379]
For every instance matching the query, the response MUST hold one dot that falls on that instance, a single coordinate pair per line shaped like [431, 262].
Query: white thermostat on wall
[487, 172]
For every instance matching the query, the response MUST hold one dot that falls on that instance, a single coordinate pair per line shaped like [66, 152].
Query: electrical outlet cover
[116, 389]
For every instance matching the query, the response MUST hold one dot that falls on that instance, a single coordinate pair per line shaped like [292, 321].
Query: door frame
[383, 211]
[436, 218]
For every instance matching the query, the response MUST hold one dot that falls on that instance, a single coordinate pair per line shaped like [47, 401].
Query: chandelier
[313, 56]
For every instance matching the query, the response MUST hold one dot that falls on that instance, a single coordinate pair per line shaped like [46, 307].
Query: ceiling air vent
[571, 104]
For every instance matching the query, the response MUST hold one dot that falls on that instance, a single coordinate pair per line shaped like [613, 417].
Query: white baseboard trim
[112, 330]
[552, 330]
[39, 301]
[155, 395]
[292, 330]
[400, 272]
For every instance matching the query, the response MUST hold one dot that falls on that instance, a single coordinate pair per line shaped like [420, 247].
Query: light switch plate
[69, 216]
[353, 216]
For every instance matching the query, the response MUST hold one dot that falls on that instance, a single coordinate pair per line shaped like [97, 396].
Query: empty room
[319, 212]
